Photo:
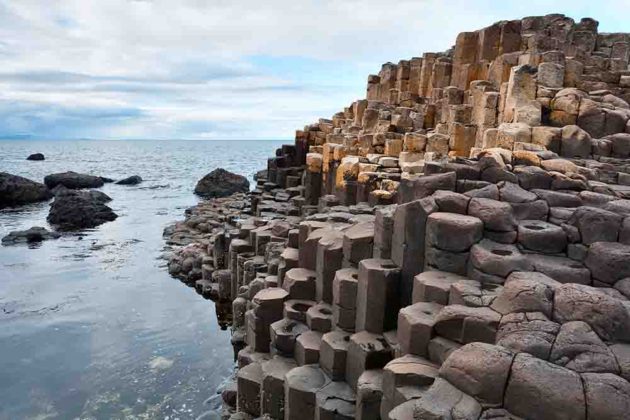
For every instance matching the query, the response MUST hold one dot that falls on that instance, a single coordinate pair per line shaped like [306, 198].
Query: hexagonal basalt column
[300, 389]
[345, 298]
[329, 260]
[366, 351]
[415, 327]
[333, 353]
[249, 380]
[319, 317]
[272, 394]
[284, 333]
[307, 348]
[377, 295]
[300, 283]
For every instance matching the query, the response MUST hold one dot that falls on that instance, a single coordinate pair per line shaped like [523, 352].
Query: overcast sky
[215, 69]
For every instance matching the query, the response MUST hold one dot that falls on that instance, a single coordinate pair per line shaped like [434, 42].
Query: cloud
[218, 68]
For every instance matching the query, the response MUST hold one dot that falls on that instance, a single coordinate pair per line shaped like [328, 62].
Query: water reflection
[92, 325]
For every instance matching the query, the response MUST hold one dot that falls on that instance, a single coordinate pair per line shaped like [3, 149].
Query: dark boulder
[80, 209]
[34, 234]
[16, 190]
[36, 156]
[132, 180]
[73, 180]
[221, 183]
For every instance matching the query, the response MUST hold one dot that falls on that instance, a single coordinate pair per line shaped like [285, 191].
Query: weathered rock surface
[221, 183]
[132, 180]
[34, 234]
[16, 190]
[73, 180]
[80, 209]
[36, 156]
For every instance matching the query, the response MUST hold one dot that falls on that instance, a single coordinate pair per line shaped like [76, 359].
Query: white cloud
[216, 68]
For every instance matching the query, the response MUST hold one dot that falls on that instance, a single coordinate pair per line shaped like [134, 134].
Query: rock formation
[31, 235]
[73, 209]
[16, 190]
[73, 180]
[36, 156]
[221, 183]
[132, 180]
[454, 246]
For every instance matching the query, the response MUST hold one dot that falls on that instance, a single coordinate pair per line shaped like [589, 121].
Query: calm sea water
[91, 325]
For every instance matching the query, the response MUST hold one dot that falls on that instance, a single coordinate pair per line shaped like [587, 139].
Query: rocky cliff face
[454, 246]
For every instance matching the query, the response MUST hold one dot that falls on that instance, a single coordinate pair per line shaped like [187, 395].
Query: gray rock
[609, 261]
[80, 209]
[608, 317]
[596, 225]
[531, 333]
[464, 324]
[524, 295]
[221, 183]
[540, 236]
[444, 401]
[36, 157]
[34, 234]
[556, 391]
[607, 396]
[132, 180]
[578, 348]
[495, 215]
[16, 190]
[453, 232]
[564, 270]
[498, 259]
[73, 180]
[480, 370]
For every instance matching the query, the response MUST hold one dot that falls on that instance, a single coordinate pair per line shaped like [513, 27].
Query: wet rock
[221, 183]
[73, 180]
[80, 209]
[16, 190]
[36, 156]
[132, 180]
[34, 234]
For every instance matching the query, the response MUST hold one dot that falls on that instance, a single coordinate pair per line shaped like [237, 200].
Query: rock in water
[16, 190]
[132, 180]
[36, 156]
[34, 234]
[73, 180]
[221, 183]
[80, 209]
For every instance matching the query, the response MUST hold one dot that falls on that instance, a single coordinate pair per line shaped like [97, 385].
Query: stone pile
[455, 246]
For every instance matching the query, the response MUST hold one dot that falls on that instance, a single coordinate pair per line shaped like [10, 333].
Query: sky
[221, 69]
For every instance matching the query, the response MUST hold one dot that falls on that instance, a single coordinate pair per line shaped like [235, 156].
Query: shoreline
[424, 251]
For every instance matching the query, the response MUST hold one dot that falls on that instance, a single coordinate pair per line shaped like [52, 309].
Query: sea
[91, 324]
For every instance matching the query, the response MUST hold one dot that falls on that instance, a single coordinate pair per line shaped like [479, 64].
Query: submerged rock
[34, 234]
[221, 183]
[36, 156]
[80, 209]
[16, 190]
[132, 180]
[73, 180]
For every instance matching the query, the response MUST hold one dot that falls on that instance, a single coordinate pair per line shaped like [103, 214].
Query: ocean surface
[91, 324]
